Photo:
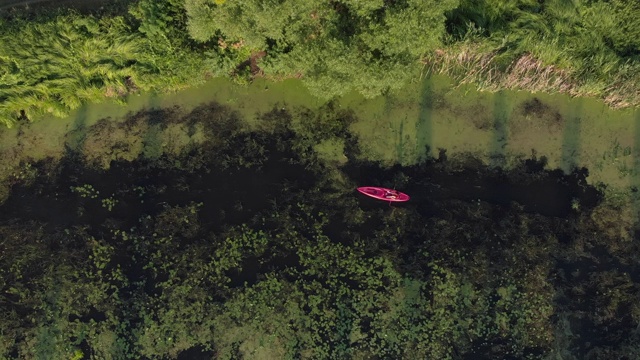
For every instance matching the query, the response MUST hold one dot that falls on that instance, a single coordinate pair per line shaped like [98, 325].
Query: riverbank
[165, 46]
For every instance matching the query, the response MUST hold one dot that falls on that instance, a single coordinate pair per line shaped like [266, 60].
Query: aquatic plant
[85, 191]
[109, 203]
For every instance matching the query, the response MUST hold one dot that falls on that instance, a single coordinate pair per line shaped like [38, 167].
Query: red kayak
[385, 194]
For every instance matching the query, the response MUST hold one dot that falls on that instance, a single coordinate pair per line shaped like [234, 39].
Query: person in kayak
[391, 194]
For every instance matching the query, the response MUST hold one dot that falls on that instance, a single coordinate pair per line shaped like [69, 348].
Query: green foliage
[56, 64]
[109, 203]
[617, 24]
[85, 191]
[158, 19]
[57, 284]
[337, 47]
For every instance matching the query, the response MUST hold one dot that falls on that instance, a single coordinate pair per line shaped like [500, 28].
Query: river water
[502, 187]
[403, 127]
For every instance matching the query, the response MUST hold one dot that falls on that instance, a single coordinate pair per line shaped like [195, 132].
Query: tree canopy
[336, 46]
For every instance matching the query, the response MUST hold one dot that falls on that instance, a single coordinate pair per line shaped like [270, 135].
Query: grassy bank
[580, 48]
[53, 62]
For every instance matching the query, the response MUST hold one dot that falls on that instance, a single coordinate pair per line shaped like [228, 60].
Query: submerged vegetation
[51, 63]
[250, 244]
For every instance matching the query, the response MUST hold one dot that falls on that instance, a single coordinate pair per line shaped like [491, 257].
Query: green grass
[55, 65]
[584, 49]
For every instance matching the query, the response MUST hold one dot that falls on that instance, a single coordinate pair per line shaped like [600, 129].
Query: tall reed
[556, 46]
[54, 66]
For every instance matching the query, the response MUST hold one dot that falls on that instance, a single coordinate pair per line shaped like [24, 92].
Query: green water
[499, 128]
[404, 127]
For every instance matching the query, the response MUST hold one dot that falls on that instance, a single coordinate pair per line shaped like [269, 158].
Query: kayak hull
[384, 194]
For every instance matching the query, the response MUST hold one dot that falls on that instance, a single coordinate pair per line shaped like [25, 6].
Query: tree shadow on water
[501, 112]
[74, 140]
[432, 184]
[156, 122]
[571, 137]
[231, 175]
[424, 126]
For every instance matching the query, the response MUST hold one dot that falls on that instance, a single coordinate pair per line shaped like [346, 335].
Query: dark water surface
[234, 195]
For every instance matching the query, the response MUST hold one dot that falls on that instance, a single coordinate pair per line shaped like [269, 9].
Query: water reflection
[501, 114]
[152, 137]
[571, 137]
[424, 126]
[78, 134]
